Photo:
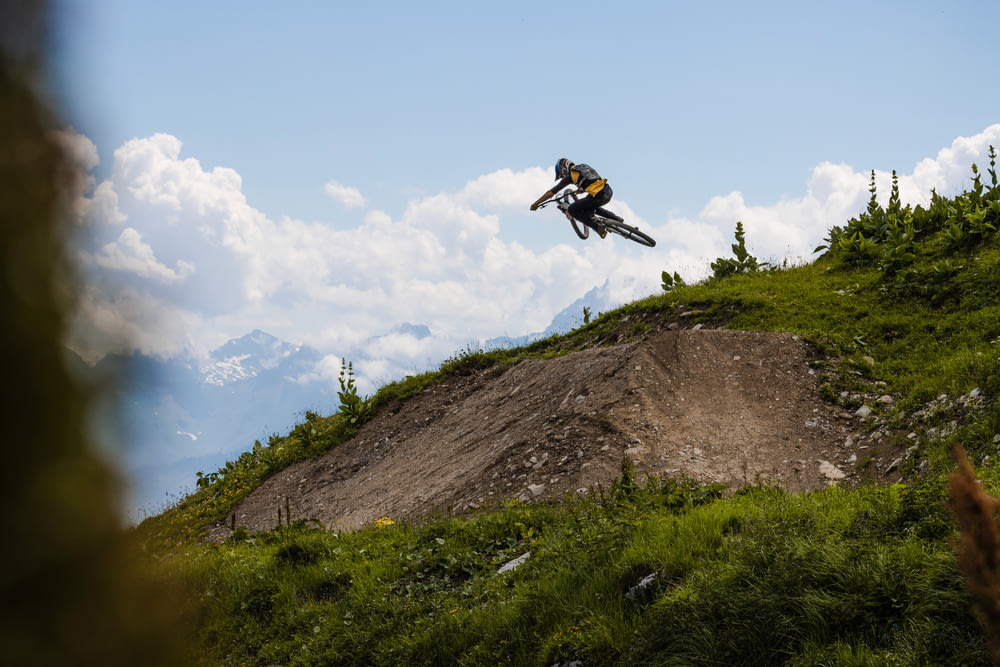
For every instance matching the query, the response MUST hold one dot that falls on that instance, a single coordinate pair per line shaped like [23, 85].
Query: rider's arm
[539, 201]
[549, 193]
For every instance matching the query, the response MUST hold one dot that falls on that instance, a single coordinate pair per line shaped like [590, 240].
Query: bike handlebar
[566, 194]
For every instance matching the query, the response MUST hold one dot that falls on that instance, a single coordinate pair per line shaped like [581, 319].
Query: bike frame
[569, 195]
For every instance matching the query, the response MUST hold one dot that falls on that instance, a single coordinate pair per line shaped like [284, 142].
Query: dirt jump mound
[729, 407]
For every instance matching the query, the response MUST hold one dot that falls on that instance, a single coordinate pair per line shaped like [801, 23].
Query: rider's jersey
[585, 177]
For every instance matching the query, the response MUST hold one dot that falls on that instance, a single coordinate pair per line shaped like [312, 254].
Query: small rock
[863, 412]
[894, 465]
[643, 591]
[536, 489]
[511, 564]
[830, 471]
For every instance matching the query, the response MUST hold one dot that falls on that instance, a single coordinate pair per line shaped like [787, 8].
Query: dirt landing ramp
[731, 407]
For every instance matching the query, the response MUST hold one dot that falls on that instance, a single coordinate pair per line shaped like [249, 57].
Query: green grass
[902, 303]
[763, 577]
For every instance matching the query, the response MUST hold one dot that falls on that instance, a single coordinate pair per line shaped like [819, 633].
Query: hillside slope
[718, 406]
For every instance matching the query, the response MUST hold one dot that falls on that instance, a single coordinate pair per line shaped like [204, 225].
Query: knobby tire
[631, 233]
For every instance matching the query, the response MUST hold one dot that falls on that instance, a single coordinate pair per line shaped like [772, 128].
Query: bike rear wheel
[629, 232]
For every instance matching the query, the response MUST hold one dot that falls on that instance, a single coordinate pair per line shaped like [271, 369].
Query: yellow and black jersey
[584, 177]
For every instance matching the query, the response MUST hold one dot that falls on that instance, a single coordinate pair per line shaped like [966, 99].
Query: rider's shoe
[611, 216]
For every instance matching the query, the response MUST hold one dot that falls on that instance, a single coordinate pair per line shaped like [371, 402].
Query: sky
[327, 171]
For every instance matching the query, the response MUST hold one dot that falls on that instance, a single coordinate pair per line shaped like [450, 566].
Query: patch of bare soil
[731, 407]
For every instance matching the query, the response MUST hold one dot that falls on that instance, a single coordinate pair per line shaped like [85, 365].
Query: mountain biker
[587, 180]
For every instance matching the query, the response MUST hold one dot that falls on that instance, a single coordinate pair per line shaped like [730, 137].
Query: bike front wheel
[582, 230]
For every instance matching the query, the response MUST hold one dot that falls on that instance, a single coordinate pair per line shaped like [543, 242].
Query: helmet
[562, 168]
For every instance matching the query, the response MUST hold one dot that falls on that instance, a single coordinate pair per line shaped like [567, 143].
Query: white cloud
[193, 245]
[949, 172]
[130, 254]
[348, 196]
[123, 320]
[506, 189]
[81, 150]
[835, 193]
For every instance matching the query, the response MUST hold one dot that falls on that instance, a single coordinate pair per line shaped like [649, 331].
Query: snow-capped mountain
[250, 356]
[179, 417]
[597, 300]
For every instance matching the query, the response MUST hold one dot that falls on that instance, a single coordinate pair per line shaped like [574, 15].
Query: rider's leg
[608, 214]
[584, 209]
[603, 197]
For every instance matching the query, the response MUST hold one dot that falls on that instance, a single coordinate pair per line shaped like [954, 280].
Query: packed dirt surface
[729, 407]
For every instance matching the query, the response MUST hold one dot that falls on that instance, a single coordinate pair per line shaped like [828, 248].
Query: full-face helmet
[562, 168]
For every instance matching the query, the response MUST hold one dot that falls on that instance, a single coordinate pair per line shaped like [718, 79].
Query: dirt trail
[732, 407]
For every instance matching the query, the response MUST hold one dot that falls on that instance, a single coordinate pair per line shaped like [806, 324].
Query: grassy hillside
[663, 572]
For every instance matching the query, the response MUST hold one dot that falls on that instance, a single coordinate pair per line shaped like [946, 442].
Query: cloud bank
[176, 260]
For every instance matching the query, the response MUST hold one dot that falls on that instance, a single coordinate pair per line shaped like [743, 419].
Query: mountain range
[177, 417]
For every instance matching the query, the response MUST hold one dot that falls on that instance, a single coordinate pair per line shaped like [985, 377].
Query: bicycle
[602, 216]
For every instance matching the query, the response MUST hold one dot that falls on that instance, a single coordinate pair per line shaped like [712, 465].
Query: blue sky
[677, 101]
[326, 171]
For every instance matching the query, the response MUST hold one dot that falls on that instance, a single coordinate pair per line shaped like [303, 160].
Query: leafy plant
[898, 249]
[671, 282]
[857, 249]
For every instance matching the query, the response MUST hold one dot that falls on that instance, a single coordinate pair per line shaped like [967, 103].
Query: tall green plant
[993, 168]
[894, 209]
[353, 407]
[743, 262]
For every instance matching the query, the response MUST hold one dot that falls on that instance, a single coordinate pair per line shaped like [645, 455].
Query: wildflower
[383, 522]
